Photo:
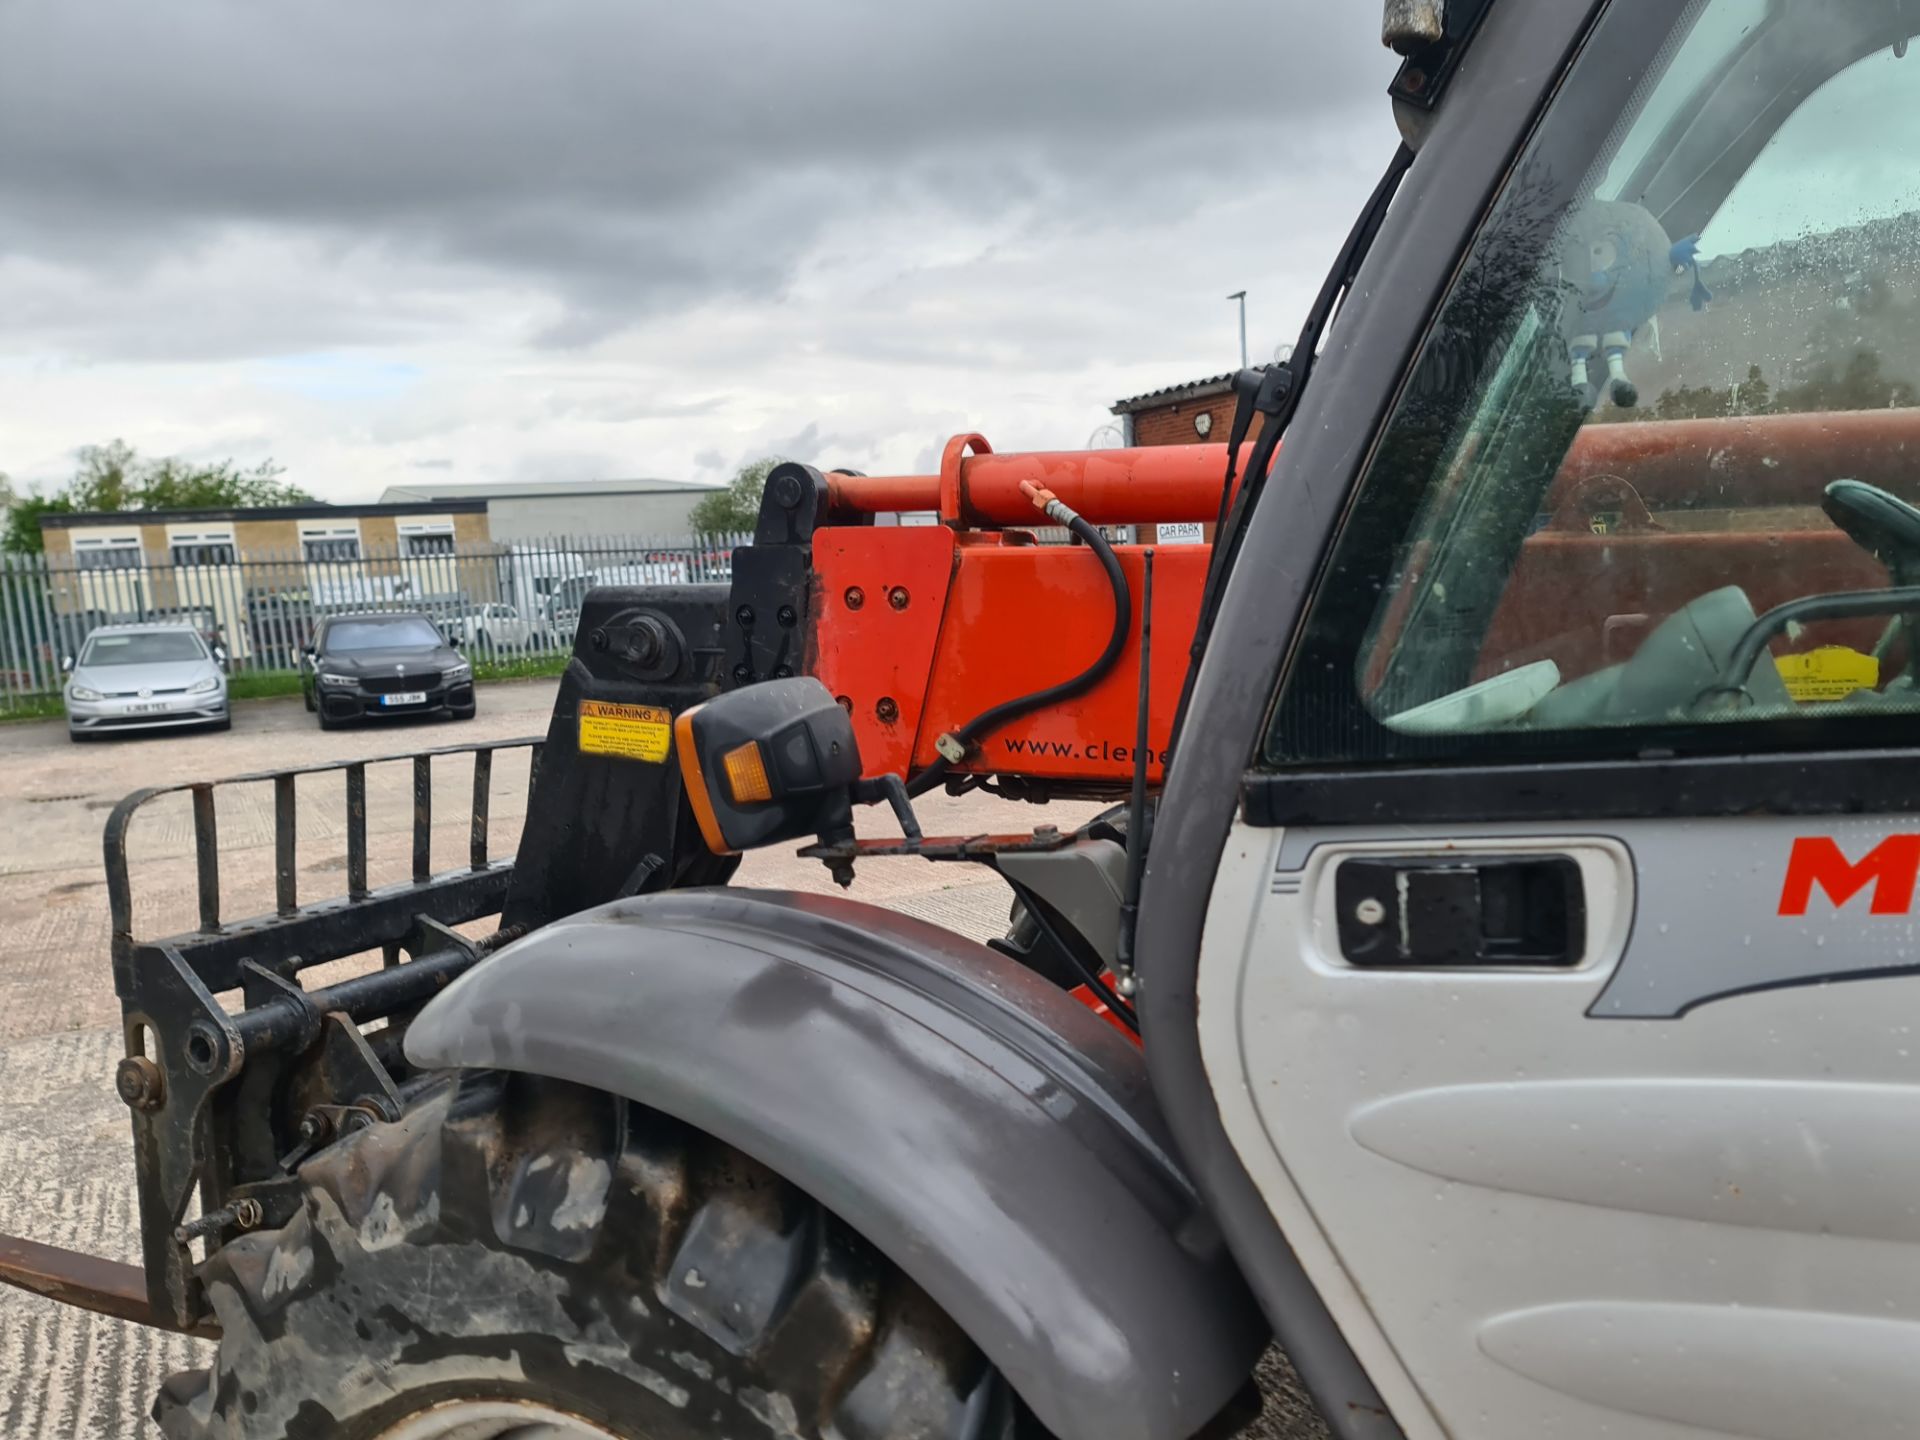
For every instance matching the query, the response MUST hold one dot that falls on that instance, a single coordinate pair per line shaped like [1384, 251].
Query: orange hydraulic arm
[920, 628]
[979, 489]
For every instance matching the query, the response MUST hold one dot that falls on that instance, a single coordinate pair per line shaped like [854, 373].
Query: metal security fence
[497, 602]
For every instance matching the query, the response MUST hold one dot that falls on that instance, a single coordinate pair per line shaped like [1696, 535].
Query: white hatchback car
[498, 627]
[136, 677]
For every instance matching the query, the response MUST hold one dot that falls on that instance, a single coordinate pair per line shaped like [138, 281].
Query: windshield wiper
[1273, 391]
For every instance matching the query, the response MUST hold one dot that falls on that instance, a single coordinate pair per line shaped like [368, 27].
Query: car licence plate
[145, 709]
[405, 697]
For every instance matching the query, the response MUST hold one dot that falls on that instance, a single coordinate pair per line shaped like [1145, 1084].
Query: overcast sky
[479, 240]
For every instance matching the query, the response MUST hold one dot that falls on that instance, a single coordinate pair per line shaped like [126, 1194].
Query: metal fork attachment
[229, 1097]
[193, 1126]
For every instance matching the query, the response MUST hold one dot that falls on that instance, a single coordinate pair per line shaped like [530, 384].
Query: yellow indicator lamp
[747, 774]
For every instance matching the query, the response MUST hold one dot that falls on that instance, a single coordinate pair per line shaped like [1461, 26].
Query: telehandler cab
[1521, 949]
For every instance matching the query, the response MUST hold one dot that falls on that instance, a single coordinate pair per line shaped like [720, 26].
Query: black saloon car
[385, 664]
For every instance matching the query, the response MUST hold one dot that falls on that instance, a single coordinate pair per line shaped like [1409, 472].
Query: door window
[1651, 485]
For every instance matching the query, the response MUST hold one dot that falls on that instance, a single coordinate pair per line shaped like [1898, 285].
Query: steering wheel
[1887, 528]
[1883, 525]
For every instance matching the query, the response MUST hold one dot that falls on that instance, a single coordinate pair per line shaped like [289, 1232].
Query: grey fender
[990, 1135]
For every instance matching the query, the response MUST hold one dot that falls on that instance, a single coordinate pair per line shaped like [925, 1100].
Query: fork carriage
[226, 1102]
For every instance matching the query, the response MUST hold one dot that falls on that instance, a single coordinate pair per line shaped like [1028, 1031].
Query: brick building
[1199, 412]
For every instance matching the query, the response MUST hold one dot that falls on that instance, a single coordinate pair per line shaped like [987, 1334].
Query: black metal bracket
[769, 611]
[1424, 75]
[199, 1050]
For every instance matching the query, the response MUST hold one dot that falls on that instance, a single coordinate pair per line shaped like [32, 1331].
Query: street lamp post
[1241, 296]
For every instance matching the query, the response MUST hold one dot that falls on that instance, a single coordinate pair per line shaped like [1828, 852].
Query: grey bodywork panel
[1712, 930]
[1500, 84]
[1084, 882]
[989, 1134]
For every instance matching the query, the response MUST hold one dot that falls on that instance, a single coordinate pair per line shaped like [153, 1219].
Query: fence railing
[497, 601]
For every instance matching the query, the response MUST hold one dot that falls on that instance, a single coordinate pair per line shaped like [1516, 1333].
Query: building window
[327, 548]
[190, 550]
[438, 543]
[106, 554]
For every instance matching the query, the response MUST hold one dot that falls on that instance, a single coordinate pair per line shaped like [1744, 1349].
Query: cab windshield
[1668, 396]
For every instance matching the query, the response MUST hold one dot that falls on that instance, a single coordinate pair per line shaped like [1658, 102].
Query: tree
[737, 507]
[1859, 386]
[113, 477]
[23, 521]
[172, 485]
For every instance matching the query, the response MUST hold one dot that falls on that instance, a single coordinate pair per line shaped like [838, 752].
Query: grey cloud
[629, 159]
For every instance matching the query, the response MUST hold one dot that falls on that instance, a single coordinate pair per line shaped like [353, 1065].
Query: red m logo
[1891, 867]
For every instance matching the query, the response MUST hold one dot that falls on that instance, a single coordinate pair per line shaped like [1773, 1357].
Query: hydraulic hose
[954, 745]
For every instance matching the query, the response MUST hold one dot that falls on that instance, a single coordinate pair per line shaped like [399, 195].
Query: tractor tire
[517, 1256]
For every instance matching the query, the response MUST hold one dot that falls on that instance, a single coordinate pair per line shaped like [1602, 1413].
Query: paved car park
[65, 1163]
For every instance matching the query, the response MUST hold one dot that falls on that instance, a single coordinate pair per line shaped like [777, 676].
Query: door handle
[1435, 911]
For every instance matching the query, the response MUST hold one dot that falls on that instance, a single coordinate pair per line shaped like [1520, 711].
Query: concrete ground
[65, 1158]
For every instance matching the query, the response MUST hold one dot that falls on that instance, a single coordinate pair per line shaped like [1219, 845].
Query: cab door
[1560, 981]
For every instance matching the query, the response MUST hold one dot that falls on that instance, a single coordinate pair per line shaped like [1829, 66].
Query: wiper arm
[1273, 391]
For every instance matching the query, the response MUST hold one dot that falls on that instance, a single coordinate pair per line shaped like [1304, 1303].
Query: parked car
[140, 677]
[571, 593]
[392, 663]
[496, 627]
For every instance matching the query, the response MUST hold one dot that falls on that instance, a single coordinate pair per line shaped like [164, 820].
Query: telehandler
[1497, 979]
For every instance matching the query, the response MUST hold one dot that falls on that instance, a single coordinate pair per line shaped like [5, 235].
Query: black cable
[987, 721]
[1090, 974]
[1137, 831]
[1275, 393]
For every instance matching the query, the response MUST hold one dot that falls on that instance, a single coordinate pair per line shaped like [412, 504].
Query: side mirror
[769, 762]
[220, 656]
[66, 664]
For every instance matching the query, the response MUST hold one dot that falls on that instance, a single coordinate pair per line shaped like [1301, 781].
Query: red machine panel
[1016, 618]
[877, 616]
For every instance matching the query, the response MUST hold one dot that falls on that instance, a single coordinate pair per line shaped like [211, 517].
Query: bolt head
[855, 597]
[786, 491]
[598, 639]
[744, 615]
[887, 710]
[786, 616]
[1369, 911]
[898, 597]
[645, 643]
[139, 1083]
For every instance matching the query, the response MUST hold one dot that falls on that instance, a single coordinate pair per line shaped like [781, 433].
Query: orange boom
[918, 629]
